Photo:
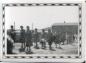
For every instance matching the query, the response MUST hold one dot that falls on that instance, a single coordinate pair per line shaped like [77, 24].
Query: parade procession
[56, 38]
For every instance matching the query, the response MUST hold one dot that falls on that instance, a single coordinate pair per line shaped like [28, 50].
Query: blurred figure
[36, 38]
[58, 39]
[43, 39]
[50, 39]
[75, 40]
[22, 38]
[10, 39]
[28, 38]
[11, 33]
[10, 42]
[54, 38]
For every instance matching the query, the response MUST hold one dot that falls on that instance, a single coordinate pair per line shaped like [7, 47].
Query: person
[11, 33]
[43, 39]
[10, 39]
[36, 38]
[22, 38]
[50, 39]
[54, 38]
[28, 39]
[10, 42]
[58, 40]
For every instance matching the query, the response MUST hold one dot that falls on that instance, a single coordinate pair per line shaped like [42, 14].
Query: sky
[40, 16]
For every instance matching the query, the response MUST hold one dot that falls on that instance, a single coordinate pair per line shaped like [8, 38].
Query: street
[65, 49]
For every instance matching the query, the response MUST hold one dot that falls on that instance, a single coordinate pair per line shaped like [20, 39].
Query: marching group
[29, 37]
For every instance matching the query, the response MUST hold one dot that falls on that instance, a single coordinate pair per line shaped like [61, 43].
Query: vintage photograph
[42, 30]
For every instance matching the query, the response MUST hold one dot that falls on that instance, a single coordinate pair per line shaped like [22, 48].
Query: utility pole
[32, 26]
[14, 25]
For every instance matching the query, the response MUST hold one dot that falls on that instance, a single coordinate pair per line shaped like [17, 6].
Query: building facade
[68, 30]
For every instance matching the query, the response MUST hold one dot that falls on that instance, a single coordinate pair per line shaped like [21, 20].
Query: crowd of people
[29, 37]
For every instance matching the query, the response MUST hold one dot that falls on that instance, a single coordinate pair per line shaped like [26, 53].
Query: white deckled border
[42, 4]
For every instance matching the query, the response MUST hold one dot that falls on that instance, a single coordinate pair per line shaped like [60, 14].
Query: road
[65, 49]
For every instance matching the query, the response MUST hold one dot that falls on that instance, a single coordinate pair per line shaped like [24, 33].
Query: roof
[57, 24]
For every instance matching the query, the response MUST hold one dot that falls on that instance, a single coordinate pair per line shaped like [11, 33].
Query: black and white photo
[42, 29]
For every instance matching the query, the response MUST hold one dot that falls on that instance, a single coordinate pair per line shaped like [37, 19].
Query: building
[68, 30]
[65, 27]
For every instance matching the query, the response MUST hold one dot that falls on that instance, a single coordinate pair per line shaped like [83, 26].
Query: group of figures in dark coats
[28, 37]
